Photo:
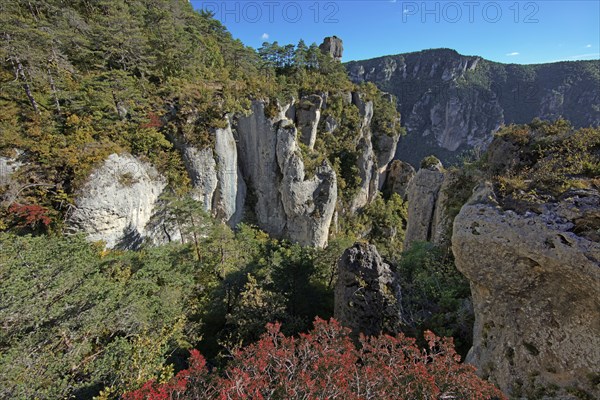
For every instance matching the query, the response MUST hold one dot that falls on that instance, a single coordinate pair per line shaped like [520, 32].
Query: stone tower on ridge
[333, 46]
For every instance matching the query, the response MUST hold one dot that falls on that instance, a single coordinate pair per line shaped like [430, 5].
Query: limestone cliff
[8, 167]
[286, 202]
[230, 195]
[215, 175]
[535, 281]
[117, 202]
[397, 177]
[451, 103]
[255, 167]
[427, 206]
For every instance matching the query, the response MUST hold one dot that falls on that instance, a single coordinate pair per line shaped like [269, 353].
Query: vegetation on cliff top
[85, 79]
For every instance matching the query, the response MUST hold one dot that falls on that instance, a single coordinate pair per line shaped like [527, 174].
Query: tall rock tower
[333, 46]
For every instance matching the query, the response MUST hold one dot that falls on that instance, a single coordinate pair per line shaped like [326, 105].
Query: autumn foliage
[326, 364]
[30, 215]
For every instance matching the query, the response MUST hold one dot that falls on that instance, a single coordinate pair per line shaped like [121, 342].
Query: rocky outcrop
[257, 149]
[367, 293]
[117, 201]
[368, 173]
[451, 103]
[202, 170]
[309, 204]
[333, 46]
[384, 147]
[423, 203]
[255, 165]
[215, 176]
[8, 167]
[535, 281]
[398, 175]
[230, 194]
[368, 169]
[286, 202]
[308, 114]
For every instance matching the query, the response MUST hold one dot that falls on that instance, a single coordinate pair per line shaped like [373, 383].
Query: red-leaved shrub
[325, 364]
[30, 215]
[153, 121]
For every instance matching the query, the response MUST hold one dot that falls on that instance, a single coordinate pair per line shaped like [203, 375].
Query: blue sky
[522, 32]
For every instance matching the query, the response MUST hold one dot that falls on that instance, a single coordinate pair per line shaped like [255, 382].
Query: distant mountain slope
[451, 103]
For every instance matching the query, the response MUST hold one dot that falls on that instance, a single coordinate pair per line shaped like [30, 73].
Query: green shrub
[435, 295]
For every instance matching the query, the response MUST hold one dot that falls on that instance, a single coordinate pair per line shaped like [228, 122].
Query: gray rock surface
[8, 186]
[331, 124]
[333, 46]
[535, 280]
[308, 114]
[202, 169]
[117, 201]
[451, 103]
[423, 194]
[384, 147]
[365, 108]
[286, 203]
[368, 173]
[399, 174]
[8, 166]
[309, 204]
[367, 293]
[257, 142]
[367, 161]
[230, 194]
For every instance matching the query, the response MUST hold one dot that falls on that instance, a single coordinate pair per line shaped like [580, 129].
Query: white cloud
[514, 53]
[265, 36]
[588, 46]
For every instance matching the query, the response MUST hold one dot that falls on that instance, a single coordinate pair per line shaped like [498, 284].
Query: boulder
[117, 201]
[535, 281]
[399, 174]
[423, 192]
[367, 292]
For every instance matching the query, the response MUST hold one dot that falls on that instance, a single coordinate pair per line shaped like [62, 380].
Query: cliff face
[535, 281]
[451, 103]
[427, 193]
[117, 202]
[255, 168]
[287, 203]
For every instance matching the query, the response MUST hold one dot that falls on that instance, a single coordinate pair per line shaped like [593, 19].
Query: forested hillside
[82, 80]
[167, 191]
